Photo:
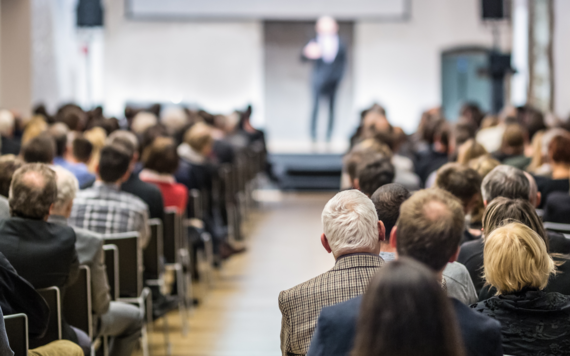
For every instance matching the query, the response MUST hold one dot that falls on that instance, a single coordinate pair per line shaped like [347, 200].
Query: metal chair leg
[166, 332]
[180, 281]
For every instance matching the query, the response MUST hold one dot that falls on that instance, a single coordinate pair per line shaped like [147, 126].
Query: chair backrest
[557, 227]
[153, 254]
[112, 267]
[17, 331]
[77, 302]
[171, 235]
[130, 262]
[197, 204]
[52, 297]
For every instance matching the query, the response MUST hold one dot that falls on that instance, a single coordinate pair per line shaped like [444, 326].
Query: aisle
[240, 316]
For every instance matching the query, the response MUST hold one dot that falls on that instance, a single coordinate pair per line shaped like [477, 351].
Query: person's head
[505, 181]
[469, 150]
[534, 196]
[72, 116]
[520, 210]
[40, 149]
[7, 123]
[559, 149]
[142, 121]
[429, 228]
[114, 164]
[350, 224]
[199, 138]
[375, 174]
[514, 139]
[515, 257]
[404, 312]
[387, 200]
[8, 165]
[483, 165]
[126, 139]
[33, 191]
[67, 187]
[82, 149]
[59, 133]
[33, 129]
[461, 181]
[326, 25]
[161, 156]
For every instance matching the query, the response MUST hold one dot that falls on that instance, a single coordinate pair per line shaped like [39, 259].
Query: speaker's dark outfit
[324, 83]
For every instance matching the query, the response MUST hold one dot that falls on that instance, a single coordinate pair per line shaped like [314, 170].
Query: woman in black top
[533, 322]
[559, 159]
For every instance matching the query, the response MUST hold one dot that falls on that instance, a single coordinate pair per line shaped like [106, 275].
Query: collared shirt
[79, 170]
[107, 210]
[329, 47]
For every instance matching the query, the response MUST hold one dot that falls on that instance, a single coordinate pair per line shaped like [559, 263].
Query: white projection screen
[268, 9]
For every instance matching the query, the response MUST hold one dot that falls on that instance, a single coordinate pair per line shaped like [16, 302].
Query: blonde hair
[97, 137]
[33, 129]
[198, 136]
[537, 157]
[516, 257]
[469, 150]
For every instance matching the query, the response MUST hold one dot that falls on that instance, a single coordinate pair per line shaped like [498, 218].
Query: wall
[398, 64]
[215, 64]
[561, 58]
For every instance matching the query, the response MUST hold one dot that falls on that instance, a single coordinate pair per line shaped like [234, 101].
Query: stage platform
[307, 171]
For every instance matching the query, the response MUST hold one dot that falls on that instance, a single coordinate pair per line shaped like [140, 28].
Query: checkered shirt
[301, 305]
[107, 210]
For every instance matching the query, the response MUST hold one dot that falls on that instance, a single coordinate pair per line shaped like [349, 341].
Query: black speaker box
[89, 13]
[493, 9]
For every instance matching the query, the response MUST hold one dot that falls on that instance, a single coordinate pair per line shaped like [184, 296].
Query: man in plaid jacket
[352, 233]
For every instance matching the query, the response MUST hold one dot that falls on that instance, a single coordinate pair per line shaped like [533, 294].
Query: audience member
[41, 252]
[9, 143]
[465, 184]
[8, 165]
[405, 312]
[142, 121]
[512, 147]
[559, 158]
[73, 156]
[437, 154]
[97, 137]
[40, 149]
[505, 181]
[33, 129]
[161, 162]
[428, 230]
[352, 233]
[149, 193]
[106, 209]
[533, 321]
[121, 321]
[373, 175]
[556, 209]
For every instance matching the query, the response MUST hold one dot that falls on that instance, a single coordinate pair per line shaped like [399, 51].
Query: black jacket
[326, 76]
[336, 326]
[149, 193]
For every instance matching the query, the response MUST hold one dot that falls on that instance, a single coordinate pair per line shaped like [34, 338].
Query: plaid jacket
[107, 210]
[301, 305]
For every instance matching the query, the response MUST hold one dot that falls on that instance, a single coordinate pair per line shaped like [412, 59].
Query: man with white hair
[119, 320]
[10, 144]
[352, 233]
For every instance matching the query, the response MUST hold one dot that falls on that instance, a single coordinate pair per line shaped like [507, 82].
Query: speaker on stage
[493, 9]
[89, 13]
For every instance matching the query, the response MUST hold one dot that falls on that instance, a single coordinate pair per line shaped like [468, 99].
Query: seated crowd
[70, 181]
[463, 210]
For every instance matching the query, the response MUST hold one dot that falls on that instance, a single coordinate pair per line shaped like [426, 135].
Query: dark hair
[113, 163]
[463, 131]
[82, 149]
[40, 149]
[374, 175]
[430, 227]
[387, 200]
[59, 133]
[73, 116]
[161, 156]
[8, 165]
[33, 191]
[459, 180]
[559, 149]
[406, 312]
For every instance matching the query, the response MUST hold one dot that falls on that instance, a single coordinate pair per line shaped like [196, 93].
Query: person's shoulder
[293, 295]
[134, 202]
[479, 325]
[342, 311]
[471, 247]
[89, 237]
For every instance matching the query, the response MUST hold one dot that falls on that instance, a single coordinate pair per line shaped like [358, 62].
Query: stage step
[307, 171]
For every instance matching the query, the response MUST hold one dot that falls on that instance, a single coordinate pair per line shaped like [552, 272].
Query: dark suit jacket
[336, 328]
[326, 76]
[557, 208]
[149, 193]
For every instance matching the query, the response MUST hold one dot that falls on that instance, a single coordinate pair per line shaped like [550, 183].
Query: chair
[112, 264]
[153, 254]
[77, 301]
[52, 297]
[130, 266]
[17, 331]
[557, 227]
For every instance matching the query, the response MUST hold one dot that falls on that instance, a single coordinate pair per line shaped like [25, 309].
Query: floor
[240, 315]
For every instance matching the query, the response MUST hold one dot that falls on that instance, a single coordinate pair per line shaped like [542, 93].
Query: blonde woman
[97, 137]
[517, 264]
[470, 150]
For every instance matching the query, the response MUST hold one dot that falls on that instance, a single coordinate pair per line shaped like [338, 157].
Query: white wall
[217, 65]
[562, 58]
[399, 65]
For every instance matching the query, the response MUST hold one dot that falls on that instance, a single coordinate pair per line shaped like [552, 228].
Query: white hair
[7, 122]
[124, 135]
[142, 121]
[350, 222]
[174, 118]
[67, 187]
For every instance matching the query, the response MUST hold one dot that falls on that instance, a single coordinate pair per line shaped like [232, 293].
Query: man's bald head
[33, 191]
[430, 227]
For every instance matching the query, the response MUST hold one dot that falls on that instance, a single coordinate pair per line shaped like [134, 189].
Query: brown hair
[463, 182]
[33, 191]
[199, 136]
[8, 165]
[513, 139]
[161, 156]
[430, 227]
[469, 150]
[559, 149]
